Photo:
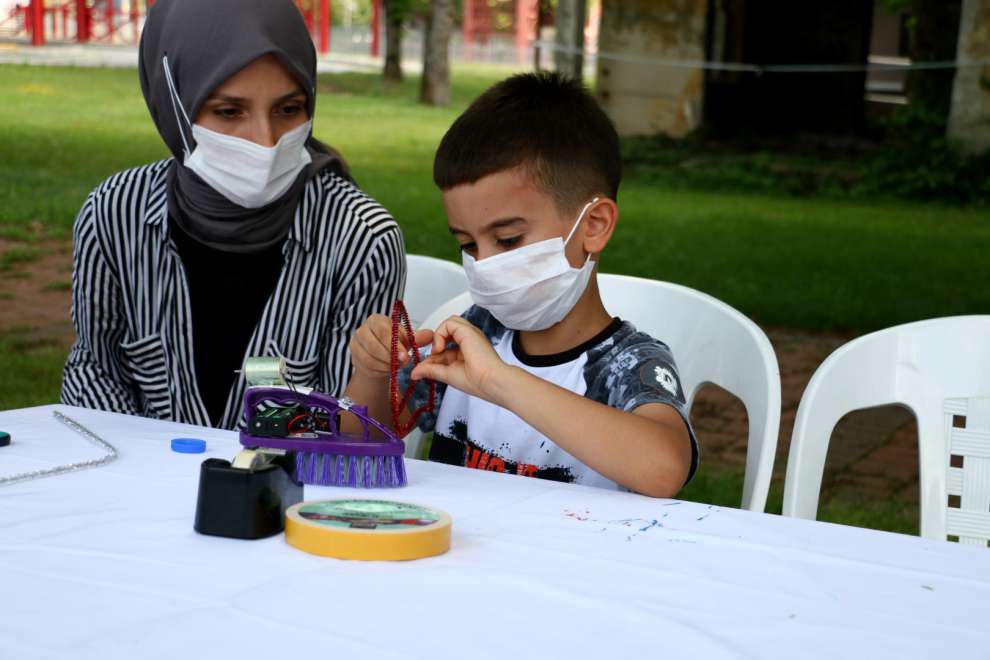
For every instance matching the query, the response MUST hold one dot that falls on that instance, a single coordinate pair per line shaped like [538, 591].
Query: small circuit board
[284, 421]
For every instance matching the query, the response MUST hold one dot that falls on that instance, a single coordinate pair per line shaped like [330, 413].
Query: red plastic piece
[400, 320]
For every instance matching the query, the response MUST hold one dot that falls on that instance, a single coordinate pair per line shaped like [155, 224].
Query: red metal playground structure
[120, 21]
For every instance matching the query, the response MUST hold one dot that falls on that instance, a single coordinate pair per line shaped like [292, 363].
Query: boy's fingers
[379, 333]
[448, 331]
[372, 347]
[430, 371]
[447, 357]
[380, 343]
[436, 366]
[461, 326]
[463, 334]
[384, 337]
[375, 339]
[423, 337]
[360, 356]
[440, 339]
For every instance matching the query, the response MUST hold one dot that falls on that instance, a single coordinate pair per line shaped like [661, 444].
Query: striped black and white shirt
[344, 260]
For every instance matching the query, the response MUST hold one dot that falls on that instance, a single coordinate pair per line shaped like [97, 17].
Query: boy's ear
[599, 224]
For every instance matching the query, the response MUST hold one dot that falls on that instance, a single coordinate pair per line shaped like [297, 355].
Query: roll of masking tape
[374, 530]
[247, 459]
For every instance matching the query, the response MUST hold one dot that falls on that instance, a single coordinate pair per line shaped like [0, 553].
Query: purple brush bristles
[331, 458]
[326, 469]
[380, 470]
[352, 472]
[323, 469]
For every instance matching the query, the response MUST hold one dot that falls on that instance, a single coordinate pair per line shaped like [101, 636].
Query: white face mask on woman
[246, 173]
[532, 287]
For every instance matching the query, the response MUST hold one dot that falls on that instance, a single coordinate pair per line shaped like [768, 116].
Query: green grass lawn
[717, 484]
[32, 370]
[804, 263]
[807, 263]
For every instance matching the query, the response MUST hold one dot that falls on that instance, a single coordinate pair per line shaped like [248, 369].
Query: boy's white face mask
[246, 173]
[532, 287]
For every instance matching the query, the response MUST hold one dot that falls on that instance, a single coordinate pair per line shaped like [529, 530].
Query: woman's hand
[472, 366]
[371, 347]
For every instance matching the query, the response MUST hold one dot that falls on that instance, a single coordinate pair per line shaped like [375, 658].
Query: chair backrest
[917, 365]
[430, 283]
[967, 483]
[712, 343]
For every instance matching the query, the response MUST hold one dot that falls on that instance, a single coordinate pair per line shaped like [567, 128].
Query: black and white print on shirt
[621, 368]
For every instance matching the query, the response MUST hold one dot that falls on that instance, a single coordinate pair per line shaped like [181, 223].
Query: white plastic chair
[922, 366]
[429, 283]
[712, 343]
[967, 484]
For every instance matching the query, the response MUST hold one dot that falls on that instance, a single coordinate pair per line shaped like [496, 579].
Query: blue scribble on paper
[641, 525]
[636, 526]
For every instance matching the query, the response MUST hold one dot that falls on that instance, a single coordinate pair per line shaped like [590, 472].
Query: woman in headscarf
[251, 240]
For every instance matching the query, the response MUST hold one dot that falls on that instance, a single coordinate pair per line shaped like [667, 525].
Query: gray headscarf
[208, 41]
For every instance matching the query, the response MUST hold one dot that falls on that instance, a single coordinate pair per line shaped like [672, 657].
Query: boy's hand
[472, 366]
[371, 347]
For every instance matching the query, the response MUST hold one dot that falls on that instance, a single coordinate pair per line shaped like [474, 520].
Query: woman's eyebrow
[228, 98]
[290, 95]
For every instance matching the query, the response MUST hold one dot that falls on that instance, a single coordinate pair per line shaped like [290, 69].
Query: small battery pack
[274, 422]
[244, 503]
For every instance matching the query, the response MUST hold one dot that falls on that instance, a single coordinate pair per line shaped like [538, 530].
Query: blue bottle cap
[4, 439]
[188, 445]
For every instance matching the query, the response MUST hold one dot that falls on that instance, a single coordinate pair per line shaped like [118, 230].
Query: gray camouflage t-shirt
[620, 367]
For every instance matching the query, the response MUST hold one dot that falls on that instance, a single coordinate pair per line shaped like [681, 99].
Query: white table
[104, 563]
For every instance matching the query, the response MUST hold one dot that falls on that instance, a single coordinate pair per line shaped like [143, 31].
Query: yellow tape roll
[375, 530]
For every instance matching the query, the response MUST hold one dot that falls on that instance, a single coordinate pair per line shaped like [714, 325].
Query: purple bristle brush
[327, 456]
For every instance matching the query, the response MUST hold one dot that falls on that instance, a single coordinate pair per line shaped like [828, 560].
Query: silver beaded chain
[111, 453]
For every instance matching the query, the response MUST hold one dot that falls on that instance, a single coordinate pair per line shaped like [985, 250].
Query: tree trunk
[435, 86]
[393, 40]
[934, 38]
[538, 29]
[568, 58]
[969, 118]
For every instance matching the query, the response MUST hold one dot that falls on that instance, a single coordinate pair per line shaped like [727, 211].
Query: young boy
[537, 378]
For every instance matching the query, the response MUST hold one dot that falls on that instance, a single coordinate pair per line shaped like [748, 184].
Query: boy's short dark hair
[544, 122]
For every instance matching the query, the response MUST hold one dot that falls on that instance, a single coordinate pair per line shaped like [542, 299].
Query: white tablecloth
[104, 563]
